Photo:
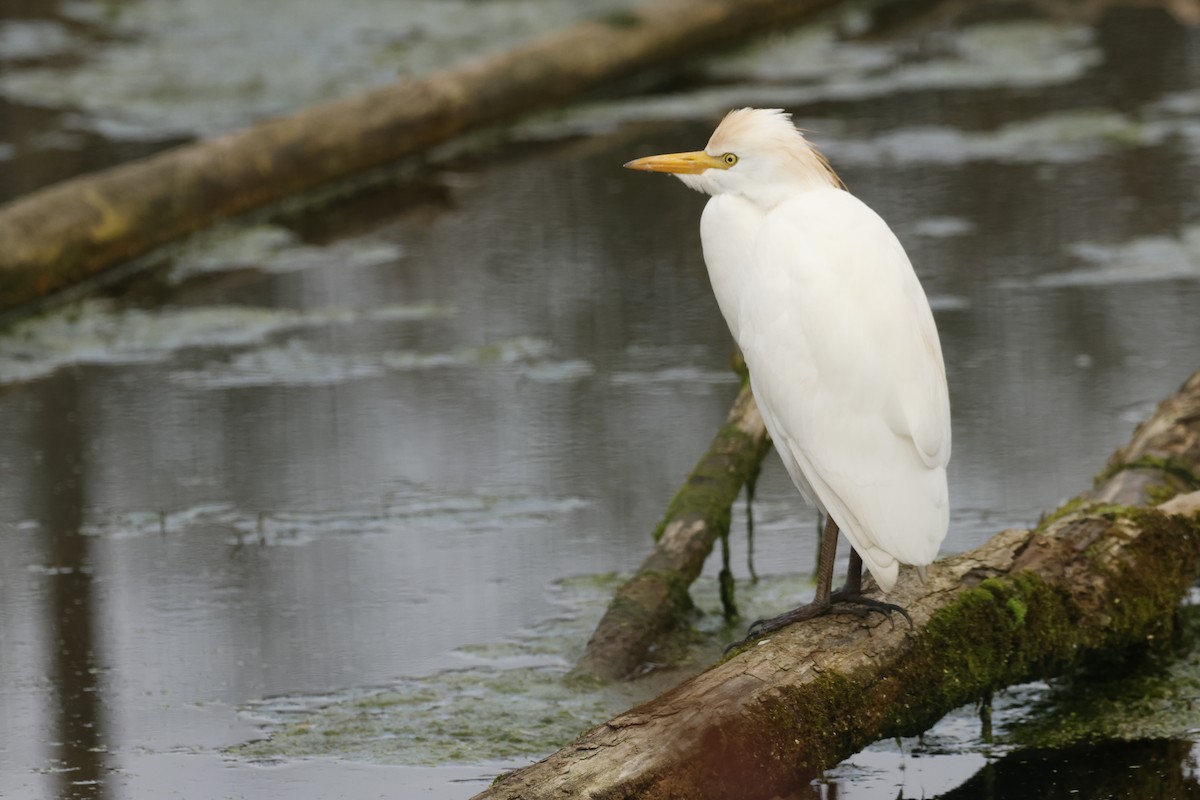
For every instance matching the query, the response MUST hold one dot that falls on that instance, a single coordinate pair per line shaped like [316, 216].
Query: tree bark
[1094, 577]
[65, 233]
[656, 599]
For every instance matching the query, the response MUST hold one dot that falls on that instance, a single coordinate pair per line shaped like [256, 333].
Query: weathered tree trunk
[1028, 604]
[656, 598]
[64, 233]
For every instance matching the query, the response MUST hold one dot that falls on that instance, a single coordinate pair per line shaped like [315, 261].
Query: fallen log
[656, 600]
[67, 232]
[1097, 577]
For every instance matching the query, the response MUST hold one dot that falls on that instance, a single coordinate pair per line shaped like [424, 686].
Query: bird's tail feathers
[883, 567]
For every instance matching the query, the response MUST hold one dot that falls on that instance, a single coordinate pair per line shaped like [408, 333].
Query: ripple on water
[206, 67]
[817, 64]
[271, 248]
[97, 331]
[1145, 259]
[397, 514]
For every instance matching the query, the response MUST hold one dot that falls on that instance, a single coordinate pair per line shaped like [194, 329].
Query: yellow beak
[678, 163]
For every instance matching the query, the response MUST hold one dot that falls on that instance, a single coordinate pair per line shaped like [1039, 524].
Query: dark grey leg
[848, 600]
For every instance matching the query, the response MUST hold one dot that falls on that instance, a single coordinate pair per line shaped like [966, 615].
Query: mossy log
[1029, 604]
[62, 234]
[656, 599]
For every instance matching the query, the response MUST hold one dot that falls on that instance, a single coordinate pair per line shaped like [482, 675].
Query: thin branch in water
[728, 604]
[751, 481]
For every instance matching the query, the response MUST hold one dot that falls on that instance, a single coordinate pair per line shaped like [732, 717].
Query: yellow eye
[730, 159]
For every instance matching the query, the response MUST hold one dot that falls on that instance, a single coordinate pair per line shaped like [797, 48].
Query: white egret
[844, 357]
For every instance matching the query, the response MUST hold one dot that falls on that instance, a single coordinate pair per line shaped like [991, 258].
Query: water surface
[398, 443]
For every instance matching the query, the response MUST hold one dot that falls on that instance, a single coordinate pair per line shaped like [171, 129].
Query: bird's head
[754, 152]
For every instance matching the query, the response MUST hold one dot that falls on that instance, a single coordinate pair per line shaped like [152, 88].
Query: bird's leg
[821, 603]
[853, 584]
[851, 592]
[821, 518]
[847, 600]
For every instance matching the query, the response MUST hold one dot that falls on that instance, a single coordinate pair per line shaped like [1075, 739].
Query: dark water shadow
[77, 745]
[1110, 770]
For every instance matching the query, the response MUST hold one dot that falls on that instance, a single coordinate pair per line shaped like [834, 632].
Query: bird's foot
[842, 601]
[808, 611]
[811, 610]
[849, 597]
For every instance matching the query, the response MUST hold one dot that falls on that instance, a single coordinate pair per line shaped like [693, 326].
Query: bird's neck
[766, 197]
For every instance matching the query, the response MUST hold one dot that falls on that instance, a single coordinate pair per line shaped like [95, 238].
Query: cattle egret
[843, 353]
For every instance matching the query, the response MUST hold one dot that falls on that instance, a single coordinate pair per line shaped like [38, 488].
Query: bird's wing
[846, 363]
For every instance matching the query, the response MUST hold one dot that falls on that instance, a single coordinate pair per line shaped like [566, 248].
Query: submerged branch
[656, 599]
[1098, 578]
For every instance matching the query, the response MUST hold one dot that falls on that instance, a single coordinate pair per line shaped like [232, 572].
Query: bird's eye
[730, 159]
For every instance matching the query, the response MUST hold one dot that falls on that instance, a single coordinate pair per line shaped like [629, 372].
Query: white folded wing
[847, 370]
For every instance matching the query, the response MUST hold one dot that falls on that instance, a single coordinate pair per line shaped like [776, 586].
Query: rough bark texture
[64, 233]
[656, 598]
[1161, 460]
[1028, 604]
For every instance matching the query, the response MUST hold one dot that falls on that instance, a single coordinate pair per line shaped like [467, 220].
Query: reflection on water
[320, 455]
[1104, 771]
[1088, 732]
[76, 745]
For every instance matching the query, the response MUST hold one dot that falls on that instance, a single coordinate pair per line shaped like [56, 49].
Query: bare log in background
[1026, 605]
[656, 599]
[65, 233]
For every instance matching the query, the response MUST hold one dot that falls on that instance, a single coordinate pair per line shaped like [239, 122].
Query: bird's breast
[729, 228]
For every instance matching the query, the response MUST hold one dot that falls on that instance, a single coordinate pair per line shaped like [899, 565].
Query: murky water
[361, 473]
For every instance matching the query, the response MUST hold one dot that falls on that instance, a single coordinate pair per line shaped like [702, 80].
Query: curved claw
[871, 604]
[764, 626]
[753, 630]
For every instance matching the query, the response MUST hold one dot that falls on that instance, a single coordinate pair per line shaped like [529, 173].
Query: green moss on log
[1177, 475]
[1025, 626]
[1072, 506]
[641, 599]
[625, 20]
[712, 487]
[655, 599]
[1011, 629]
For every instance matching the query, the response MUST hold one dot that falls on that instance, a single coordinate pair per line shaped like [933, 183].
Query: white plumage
[841, 345]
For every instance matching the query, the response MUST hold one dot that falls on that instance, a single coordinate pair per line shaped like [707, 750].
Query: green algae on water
[1153, 696]
[509, 699]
